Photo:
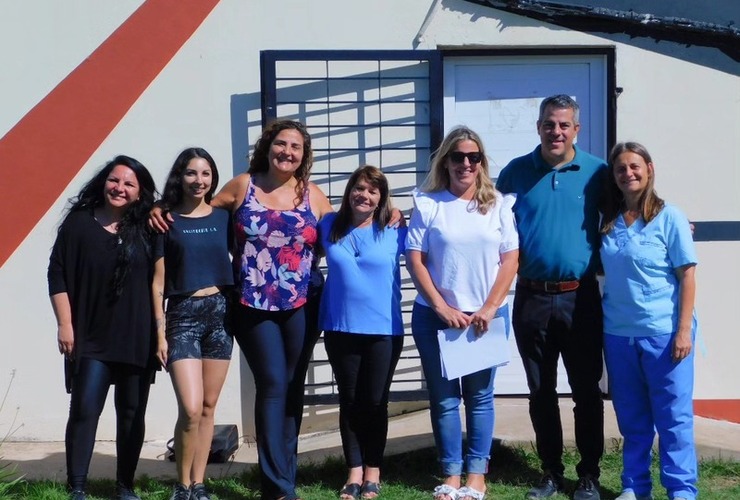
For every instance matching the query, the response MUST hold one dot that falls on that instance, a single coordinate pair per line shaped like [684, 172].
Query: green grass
[409, 476]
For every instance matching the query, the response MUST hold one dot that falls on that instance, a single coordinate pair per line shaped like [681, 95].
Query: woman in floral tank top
[276, 210]
[276, 249]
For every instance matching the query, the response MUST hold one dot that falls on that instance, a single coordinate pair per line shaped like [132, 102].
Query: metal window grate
[382, 108]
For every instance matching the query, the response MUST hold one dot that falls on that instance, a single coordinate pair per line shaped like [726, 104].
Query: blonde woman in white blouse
[462, 253]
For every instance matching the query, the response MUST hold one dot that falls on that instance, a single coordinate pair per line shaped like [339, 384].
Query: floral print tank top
[275, 249]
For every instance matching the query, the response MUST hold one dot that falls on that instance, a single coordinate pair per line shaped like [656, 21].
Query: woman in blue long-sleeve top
[361, 317]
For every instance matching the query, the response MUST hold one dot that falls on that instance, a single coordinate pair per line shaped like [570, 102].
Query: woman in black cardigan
[99, 274]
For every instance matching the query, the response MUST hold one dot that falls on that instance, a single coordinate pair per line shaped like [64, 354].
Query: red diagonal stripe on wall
[47, 148]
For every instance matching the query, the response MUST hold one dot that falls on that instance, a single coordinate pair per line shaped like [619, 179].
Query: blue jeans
[652, 392]
[476, 390]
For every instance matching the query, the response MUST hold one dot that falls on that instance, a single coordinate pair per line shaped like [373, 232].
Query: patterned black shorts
[195, 328]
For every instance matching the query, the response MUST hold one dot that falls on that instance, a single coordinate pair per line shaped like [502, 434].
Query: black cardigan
[106, 328]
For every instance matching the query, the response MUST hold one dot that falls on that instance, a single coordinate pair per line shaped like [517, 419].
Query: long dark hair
[373, 176]
[172, 193]
[260, 163]
[132, 228]
[650, 203]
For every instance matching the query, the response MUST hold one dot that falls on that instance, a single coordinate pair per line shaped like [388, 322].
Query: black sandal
[370, 488]
[350, 490]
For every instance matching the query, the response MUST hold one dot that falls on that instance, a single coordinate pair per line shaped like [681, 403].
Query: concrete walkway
[46, 460]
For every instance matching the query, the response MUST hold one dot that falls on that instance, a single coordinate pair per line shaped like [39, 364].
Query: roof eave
[614, 21]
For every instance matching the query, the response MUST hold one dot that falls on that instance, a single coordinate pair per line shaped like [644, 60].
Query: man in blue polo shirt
[557, 306]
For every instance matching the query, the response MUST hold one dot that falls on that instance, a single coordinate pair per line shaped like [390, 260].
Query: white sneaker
[630, 495]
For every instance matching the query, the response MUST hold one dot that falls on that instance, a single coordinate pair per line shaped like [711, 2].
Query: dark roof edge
[600, 19]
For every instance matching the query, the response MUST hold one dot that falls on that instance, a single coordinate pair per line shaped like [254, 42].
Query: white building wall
[189, 103]
[685, 113]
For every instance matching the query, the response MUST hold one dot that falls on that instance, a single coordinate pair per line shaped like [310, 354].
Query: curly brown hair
[259, 162]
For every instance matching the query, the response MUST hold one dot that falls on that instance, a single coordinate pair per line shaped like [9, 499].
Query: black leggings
[277, 345]
[363, 366]
[89, 390]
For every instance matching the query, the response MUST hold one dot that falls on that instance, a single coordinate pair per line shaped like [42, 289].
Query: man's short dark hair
[560, 101]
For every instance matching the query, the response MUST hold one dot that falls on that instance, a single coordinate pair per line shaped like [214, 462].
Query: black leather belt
[549, 286]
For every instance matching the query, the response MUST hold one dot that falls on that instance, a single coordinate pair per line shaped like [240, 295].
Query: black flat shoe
[587, 489]
[124, 492]
[350, 491]
[549, 486]
[77, 495]
[371, 489]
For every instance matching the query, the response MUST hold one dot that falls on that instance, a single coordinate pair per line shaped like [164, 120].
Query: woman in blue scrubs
[649, 325]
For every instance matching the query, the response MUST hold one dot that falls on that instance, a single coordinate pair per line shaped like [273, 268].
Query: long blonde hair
[438, 179]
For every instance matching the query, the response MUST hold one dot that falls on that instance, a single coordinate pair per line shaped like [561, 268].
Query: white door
[499, 98]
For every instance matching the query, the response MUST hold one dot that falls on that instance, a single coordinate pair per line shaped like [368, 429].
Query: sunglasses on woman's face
[459, 157]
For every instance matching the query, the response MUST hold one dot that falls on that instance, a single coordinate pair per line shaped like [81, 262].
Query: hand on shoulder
[159, 220]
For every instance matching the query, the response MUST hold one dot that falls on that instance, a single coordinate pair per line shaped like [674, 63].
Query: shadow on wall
[357, 112]
[243, 106]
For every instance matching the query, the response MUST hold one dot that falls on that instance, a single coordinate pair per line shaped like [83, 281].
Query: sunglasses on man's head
[459, 157]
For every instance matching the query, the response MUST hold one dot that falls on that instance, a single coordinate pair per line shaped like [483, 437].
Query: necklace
[110, 227]
[632, 214]
[354, 243]
[355, 240]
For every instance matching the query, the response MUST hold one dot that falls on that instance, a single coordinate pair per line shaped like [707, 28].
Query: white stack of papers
[463, 353]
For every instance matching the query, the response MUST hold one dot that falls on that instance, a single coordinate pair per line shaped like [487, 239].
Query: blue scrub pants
[652, 392]
[445, 396]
